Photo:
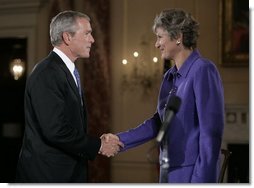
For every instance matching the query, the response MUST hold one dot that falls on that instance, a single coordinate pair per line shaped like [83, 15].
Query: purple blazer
[195, 133]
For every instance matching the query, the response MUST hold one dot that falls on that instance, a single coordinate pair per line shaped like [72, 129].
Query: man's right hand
[110, 145]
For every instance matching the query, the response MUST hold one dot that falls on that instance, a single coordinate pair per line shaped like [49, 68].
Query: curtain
[96, 81]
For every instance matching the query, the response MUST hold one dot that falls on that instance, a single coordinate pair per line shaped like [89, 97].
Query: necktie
[76, 74]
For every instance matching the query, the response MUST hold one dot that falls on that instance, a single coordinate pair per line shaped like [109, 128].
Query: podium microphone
[172, 108]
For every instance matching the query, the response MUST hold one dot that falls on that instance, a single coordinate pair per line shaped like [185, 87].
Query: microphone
[172, 108]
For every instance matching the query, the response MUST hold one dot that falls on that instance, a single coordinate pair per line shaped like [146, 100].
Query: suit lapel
[69, 76]
[74, 87]
[71, 81]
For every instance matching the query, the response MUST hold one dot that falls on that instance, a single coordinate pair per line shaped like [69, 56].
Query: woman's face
[168, 47]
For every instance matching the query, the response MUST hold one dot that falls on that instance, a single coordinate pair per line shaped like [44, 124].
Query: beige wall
[132, 20]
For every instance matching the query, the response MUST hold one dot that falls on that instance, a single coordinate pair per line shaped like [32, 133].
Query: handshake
[110, 145]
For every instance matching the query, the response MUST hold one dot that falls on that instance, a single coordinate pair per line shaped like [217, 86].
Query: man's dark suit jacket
[56, 147]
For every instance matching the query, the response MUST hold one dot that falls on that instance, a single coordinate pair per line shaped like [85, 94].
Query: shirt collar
[172, 72]
[183, 71]
[70, 65]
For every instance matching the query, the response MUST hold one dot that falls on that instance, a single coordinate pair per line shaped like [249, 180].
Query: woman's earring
[178, 42]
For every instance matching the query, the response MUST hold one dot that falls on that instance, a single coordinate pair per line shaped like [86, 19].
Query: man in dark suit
[56, 146]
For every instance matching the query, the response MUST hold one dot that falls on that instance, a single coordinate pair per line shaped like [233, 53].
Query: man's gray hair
[64, 22]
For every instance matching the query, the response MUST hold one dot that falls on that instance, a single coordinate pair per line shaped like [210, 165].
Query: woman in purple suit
[195, 132]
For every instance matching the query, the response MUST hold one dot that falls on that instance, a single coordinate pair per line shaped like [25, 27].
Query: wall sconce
[17, 68]
[141, 73]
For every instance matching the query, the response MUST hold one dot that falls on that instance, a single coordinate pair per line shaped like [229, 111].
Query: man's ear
[66, 38]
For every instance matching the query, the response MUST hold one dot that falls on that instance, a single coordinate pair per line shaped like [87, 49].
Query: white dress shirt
[70, 65]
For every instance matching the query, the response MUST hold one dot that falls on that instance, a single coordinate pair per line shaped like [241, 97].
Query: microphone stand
[162, 137]
[164, 160]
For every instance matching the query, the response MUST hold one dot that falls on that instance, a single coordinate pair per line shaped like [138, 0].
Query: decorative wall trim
[236, 128]
[20, 6]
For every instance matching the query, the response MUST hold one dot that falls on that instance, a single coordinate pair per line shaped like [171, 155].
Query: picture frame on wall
[234, 29]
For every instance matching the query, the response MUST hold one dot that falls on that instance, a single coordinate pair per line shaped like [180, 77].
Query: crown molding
[20, 6]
